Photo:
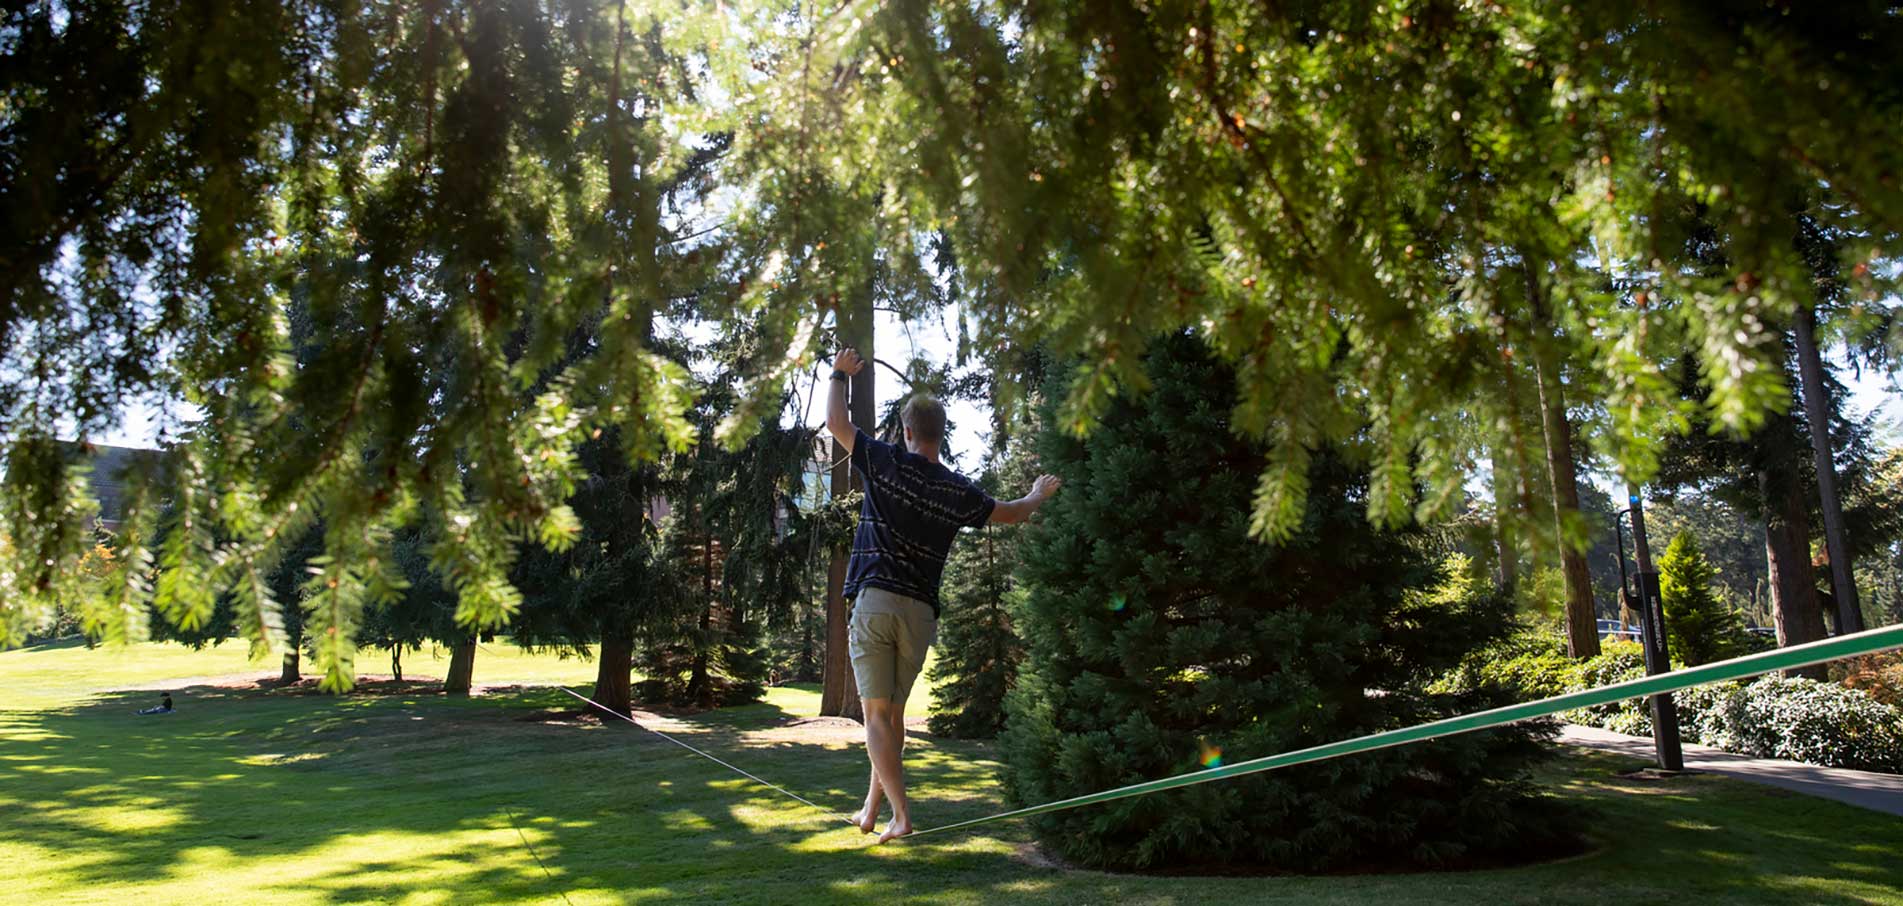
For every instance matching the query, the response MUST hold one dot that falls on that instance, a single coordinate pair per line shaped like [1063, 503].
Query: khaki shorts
[889, 636]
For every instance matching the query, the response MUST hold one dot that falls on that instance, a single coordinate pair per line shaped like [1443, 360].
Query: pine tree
[1160, 638]
[1701, 627]
[1341, 196]
[978, 649]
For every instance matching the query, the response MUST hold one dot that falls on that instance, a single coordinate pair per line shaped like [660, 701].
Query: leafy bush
[1616, 662]
[1878, 675]
[1819, 723]
[1849, 724]
[1530, 664]
[1775, 717]
[1160, 638]
[1713, 715]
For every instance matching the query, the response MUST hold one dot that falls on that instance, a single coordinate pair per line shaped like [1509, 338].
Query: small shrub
[1713, 715]
[1878, 675]
[1615, 663]
[1701, 627]
[1820, 723]
[1526, 666]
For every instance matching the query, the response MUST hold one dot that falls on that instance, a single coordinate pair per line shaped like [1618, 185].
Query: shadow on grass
[380, 798]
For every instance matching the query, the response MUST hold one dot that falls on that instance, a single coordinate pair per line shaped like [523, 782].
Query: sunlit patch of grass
[264, 798]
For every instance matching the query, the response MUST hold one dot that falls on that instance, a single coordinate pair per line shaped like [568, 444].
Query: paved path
[1880, 792]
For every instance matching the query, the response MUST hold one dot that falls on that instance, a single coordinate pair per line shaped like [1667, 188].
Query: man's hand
[848, 361]
[838, 421]
[1046, 487]
[1008, 512]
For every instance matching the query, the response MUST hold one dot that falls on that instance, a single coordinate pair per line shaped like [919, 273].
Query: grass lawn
[409, 797]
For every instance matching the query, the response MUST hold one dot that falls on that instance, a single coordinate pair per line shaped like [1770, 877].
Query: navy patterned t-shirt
[912, 511]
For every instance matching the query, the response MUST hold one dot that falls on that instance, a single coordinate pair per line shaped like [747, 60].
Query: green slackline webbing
[1867, 642]
[1750, 665]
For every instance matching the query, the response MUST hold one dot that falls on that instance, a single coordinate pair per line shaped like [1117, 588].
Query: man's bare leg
[884, 742]
[868, 814]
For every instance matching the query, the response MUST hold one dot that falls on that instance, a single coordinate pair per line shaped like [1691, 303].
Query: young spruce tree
[1161, 638]
[1701, 627]
[978, 649]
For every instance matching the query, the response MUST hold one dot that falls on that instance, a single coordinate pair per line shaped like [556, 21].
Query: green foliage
[1731, 540]
[1792, 718]
[1158, 639]
[1797, 719]
[1616, 662]
[978, 648]
[1700, 627]
[358, 240]
[1528, 665]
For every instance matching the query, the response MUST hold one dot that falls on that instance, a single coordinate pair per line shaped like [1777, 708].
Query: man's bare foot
[897, 827]
[865, 818]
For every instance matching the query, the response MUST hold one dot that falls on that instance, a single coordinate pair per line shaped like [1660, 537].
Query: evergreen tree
[1701, 627]
[1159, 638]
[978, 648]
[1344, 198]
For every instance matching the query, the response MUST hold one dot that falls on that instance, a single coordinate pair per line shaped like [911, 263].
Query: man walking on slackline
[913, 509]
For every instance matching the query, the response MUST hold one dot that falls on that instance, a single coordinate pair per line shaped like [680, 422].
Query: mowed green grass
[252, 796]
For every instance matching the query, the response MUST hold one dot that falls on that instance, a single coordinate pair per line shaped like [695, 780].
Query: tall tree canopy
[1371, 209]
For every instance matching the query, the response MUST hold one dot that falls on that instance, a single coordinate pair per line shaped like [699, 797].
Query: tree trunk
[614, 671]
[1506, 546]
[700, 681]
[396, 662]
[1582, 628]
[462, 667]
[839, 696]
[1817, 415]
[290, 672]
[1794, 605]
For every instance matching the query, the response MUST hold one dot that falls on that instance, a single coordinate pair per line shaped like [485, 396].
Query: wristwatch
[841, 375]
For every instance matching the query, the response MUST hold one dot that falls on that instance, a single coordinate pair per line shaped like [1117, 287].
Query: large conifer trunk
[614, 671]
[839, 695]
[1794, 606]
[289, 674]
[1582, 630]
[1810, 365]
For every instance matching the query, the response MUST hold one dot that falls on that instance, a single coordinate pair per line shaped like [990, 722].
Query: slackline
[1867, 642]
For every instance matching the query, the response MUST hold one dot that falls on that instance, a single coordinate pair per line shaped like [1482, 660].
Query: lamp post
[1652, 631]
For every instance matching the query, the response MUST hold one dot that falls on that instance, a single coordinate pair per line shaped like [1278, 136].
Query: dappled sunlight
[305, 799]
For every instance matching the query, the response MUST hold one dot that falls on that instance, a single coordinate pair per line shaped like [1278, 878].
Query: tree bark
[290, 672]
[1582, 628]
[839, 695]
[1794, 606]
[1506, 546]
[614, 671]
[700, 688]
[462, 667]
[1817, 414]
[396, 662]
[837, 686]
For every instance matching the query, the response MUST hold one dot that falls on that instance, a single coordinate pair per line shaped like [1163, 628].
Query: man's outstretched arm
[1020, 510]
[838, 420]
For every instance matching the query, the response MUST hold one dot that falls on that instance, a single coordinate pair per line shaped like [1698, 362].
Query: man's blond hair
[925, 417]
